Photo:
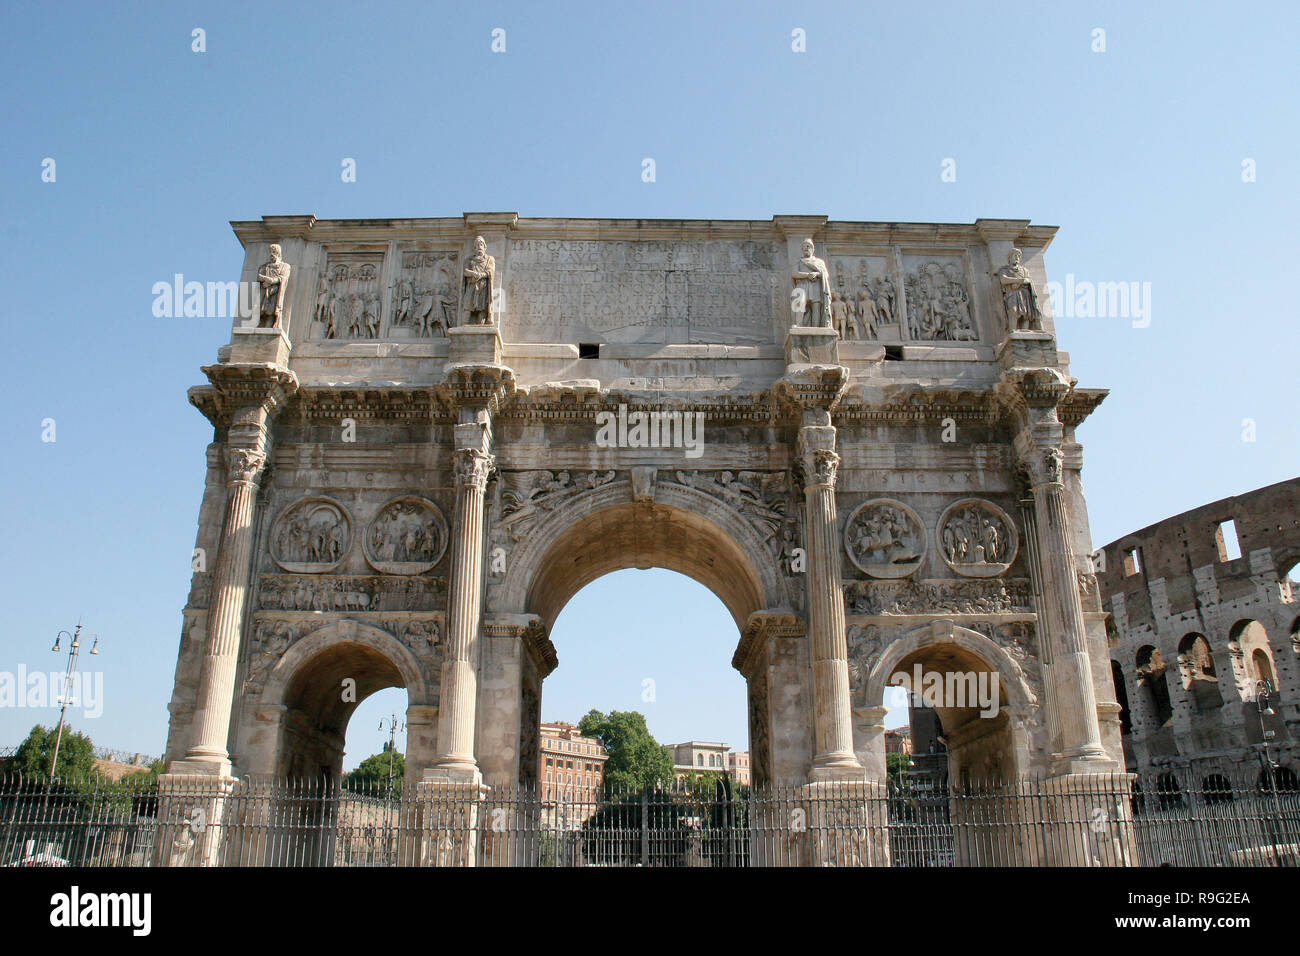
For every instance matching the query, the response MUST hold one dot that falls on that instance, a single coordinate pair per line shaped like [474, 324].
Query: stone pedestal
[256, 346]
[474, 345]
[1027, 350]
[812, 346]
[848, 823]
[448, 819]
[1088, 820]
[192, 811]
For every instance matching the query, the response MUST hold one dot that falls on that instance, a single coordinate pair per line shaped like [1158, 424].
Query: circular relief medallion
[408, 536]
[885, 538]
[977, 538]
[311, 536]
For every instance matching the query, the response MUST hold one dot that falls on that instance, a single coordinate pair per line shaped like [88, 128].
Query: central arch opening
[645, 602]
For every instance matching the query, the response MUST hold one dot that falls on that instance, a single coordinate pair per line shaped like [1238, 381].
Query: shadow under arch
[304, 695]
[987, 750]
[605, 530]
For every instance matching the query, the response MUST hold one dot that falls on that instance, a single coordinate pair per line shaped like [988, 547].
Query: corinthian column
[216, 692]
[459, 697]
[833, 727]
[1071, 669]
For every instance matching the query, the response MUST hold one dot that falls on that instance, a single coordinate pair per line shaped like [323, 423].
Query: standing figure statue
[478, 285]
[273, 278]
[1018, 296]
[811, 297]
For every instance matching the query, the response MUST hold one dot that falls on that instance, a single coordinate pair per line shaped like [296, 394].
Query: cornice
[237, 385]
[330, 404]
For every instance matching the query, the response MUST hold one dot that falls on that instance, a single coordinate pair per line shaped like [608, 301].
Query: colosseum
[1205, 641]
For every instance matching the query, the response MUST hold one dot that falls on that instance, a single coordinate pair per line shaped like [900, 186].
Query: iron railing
[913, 821]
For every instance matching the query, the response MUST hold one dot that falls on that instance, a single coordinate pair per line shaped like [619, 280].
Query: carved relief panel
[939, 304]
[423, 296]
[977, 539]
[885, 539]
[348, 301]
[408, 536]
[864, 302]
[311, 536]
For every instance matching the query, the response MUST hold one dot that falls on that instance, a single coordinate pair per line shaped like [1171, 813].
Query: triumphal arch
[429, 434]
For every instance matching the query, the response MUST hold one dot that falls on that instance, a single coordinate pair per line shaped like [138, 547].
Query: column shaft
[1072, 688]
[216, 690]
[833, 728]
[459, 695]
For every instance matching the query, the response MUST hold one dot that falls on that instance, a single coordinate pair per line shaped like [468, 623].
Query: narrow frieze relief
[974, 596]
[350, 593]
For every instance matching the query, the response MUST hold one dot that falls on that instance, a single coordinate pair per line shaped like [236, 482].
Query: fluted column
[216, 691]
[833, 728]
[459, 693]
[1072, 687]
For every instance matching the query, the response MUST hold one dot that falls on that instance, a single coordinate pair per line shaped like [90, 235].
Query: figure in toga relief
[478, 285]
[273, 278]
[812, 290]
[1018, 296]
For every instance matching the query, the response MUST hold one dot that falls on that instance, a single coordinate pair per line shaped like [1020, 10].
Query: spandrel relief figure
[273, 280]
[313, 535]
[408, 536]
[1018, 296]
[885, 539]
[978, 539]
[478, 284]
[811, 300]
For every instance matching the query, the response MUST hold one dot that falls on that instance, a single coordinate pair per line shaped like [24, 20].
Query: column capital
[244, 465]
[817, 455]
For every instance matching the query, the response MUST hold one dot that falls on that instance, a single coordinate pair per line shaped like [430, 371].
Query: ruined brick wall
[1195, 628]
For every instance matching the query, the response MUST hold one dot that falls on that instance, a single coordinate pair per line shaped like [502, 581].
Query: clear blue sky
[1135, 153]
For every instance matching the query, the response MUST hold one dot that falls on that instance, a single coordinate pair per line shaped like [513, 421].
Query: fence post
[645, 827]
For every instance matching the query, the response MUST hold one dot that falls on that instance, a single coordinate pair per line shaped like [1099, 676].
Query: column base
[189, 766]
[836, 767]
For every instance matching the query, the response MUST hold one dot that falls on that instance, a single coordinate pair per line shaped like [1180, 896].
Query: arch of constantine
[429, 434]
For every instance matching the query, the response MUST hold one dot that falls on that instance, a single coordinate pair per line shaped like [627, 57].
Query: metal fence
[914, 821]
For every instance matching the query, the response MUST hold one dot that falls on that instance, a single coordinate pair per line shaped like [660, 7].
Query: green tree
[76, 755]
[371, 775]
[896, 765]
[636, 759]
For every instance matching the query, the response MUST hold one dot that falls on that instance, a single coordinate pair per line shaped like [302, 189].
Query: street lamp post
[74, 650]
[392, 747]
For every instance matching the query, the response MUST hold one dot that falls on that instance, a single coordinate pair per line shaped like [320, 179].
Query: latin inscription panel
[641, 292]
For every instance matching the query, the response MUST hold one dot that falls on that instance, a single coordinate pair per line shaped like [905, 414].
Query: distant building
[898, 740]
[702, 755]
[571, 766]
